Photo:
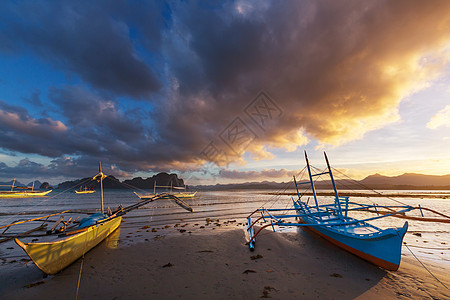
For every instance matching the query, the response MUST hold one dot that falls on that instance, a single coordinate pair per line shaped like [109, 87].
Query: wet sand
[216, 264]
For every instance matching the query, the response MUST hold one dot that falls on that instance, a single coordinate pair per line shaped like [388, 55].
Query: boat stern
[251, 234]
[402, 231]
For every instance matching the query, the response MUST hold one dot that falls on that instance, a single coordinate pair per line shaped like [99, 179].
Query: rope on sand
[426, 267]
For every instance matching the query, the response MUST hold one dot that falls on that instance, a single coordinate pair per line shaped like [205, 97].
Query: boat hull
[185, 195]
[84, 192]
[383, 250]
[23, 194]
[52, 257]
[178, 195]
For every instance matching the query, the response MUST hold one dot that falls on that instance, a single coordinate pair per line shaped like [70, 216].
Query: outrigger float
[333, 222]
[74, 239]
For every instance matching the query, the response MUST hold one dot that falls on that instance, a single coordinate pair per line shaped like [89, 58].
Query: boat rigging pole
[312, 187]
[338, 202]
[99, 177]
[101, 183]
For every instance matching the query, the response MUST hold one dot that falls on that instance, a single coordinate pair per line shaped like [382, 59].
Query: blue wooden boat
[333, 222]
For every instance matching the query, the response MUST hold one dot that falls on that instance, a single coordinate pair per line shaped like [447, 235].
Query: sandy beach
[216, 264]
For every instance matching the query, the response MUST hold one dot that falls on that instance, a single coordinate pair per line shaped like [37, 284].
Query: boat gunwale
[18, 194]
[73, 236]
[24, 246]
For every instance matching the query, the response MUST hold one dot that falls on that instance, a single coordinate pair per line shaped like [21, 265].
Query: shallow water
[213, 210]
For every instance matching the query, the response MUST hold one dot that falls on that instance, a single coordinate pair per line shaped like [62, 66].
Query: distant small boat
[167, 196]
[85, 191]
[25, 194]
[22, 192]
[183, 194]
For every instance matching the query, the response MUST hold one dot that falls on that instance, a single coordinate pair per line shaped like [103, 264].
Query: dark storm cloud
[89, 112]
[99, 128]
[62, 168]
[21, 132]
[23, 169]
[336, 70]
[90, 39]
[94, 129]
[222, 48]
[123, 136]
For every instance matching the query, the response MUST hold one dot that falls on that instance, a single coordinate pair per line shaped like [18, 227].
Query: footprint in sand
[257, 256]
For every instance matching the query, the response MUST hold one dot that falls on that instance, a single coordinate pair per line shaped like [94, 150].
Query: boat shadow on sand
[362, 276]
[328, 265]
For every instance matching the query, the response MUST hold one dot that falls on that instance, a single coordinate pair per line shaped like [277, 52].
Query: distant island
[407, 181]
[110, 182]
[37, 185]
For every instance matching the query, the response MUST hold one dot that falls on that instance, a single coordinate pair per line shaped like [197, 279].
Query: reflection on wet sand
[112, 241]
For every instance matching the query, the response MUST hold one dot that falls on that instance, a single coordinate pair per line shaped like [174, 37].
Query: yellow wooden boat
[84, 191]
[23, 194]
[178, 195]
[185, 195]
[167, 196]
[52, 257]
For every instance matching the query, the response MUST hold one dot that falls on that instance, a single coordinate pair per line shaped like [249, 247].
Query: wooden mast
[101, 183]
[99, 177]
[336, 195]
[312, 186]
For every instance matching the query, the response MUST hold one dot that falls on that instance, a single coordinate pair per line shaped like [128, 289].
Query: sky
[223, 91]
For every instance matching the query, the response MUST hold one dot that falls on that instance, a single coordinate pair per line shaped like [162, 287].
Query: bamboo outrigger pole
[35, 219]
